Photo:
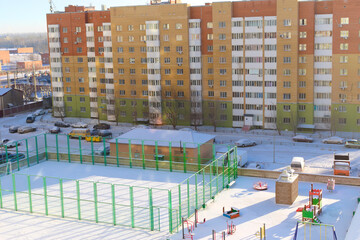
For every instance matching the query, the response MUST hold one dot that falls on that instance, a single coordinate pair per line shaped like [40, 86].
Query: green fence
[102, 202]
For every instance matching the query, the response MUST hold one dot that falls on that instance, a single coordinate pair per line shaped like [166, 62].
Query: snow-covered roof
[149, 136]
[4, 91]
[353, 232]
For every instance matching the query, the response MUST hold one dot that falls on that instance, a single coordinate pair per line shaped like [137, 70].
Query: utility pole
[8, 79]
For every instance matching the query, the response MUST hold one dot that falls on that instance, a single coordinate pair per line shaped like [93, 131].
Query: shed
[161, 141]
[10, 97]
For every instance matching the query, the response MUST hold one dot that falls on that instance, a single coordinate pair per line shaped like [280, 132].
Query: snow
[258, 207]
[164, 136]
[354, 230]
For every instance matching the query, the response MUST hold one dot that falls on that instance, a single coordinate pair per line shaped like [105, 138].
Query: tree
[172, 113]
[213, 113]
[196, 118]
[278, 121]
[294, 121]
[59, 111]
[334, 122]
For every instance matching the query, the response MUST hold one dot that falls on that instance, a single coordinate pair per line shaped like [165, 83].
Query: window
[79, 50]
[223, 83]
[81, 80]
[66, 40]
[302, 96]
[344, 46]
[210, 93]
[287, 59]
[302, 107]
[209, 25]
[69, 109]
[342, 121]
[287, 72]
[343, 72]
[167, 71]
[287, 22]
[179, 38]
[223, 94]
[303, 34]
[131, 27]
[210, 36]
[210, 48]
[178, 26]
[179, 71]
[302, 84]
[222, 71]
[286, 108]
[302, 22]
[302, 72]
[69, 99]
[131, 49]
[287, 84]
[77, 29]
[222, 36]
[344, 59]
[222, 48]
[302, 47]
[180, 94]
[222, 24]
[287, 48]
[82, 90]
[287, 96]
[166, 26]
[302, 59]
[286, 120]
[344, 20]
[65, 30]
[344, 34]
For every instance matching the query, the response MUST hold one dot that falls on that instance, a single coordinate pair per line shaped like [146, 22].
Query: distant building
[4, 57]
[27, 65]
[10, 97]
[45, 58]
[180, 141]
[21, 50]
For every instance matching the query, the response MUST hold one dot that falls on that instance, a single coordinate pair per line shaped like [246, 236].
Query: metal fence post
[188, 197]
[184, 155]
[179, 187]
[236, 163]
[29, 190]
[170, 157]
[92, 152]
[62, 197]
[68, 145]
[17, 156]
[57, 147]
[170, 212]
[131, 190]
[45, 196]
[210, 175]
[196, 191]
[156, 156]
[213, 152]
[130, 155]
[199, 157]
[14, 190]
[117, 152]
[27, 152]
[104, 151]
[80, 150]
[217, 176]
[143, 154]
[96, 204]
[203, 177]
[37, 149]
[151, 210]
[113, 203]
[46, 147]
[78, 198]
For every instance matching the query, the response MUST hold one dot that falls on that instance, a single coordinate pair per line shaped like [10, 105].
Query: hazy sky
[18, 16]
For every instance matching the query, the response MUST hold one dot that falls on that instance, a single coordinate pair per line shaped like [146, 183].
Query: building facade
[268, 64]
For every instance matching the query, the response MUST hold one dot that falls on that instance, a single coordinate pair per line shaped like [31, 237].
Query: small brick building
[29, 65]
[180, 141]
[10, 97]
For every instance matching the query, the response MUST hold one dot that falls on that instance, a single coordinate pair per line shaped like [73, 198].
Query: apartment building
[266, 64]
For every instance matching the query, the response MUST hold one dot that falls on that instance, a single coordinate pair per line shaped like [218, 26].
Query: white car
[79, 125]
[39, 112]
[244, 142]
[333, 140]
[12, 144]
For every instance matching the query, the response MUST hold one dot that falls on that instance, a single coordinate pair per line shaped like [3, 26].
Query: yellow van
[76, 133]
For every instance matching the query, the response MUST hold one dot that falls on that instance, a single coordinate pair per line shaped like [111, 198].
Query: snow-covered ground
[318, 156]
[258, 207]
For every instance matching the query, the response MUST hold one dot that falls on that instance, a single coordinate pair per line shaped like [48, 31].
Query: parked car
[3, 141]
[94, 132]
[105, 133]
[62, 124]
[54, 130]
[12, 157]
[76, 133]
[297, 163]
[102, 126]
[30, 119]
[12, 144]
[352, 143]
[100, 150]
[302, 138]
[333, 140]
[26, 129]
[13, 129]
[244, 142]
[39, 112]
[79, 125]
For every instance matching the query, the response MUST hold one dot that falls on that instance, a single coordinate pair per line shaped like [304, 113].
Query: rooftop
[3, 91]
[150, 136]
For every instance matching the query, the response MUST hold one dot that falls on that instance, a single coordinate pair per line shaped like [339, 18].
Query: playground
[258, 207]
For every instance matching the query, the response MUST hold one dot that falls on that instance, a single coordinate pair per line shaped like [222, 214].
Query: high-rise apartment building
[268, 64]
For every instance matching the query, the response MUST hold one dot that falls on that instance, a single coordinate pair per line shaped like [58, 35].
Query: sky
[24, 16]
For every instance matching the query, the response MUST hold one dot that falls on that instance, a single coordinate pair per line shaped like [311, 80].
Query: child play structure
[315, 230]
[233, 213]
[314, 208]
[260, 186]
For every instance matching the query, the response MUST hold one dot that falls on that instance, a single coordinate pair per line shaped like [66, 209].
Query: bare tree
[172, 112]
[196, 118]
[334, 121]
[60, 112]
[213, 113]
[278, 121]
[294, 121]
[29, 92]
